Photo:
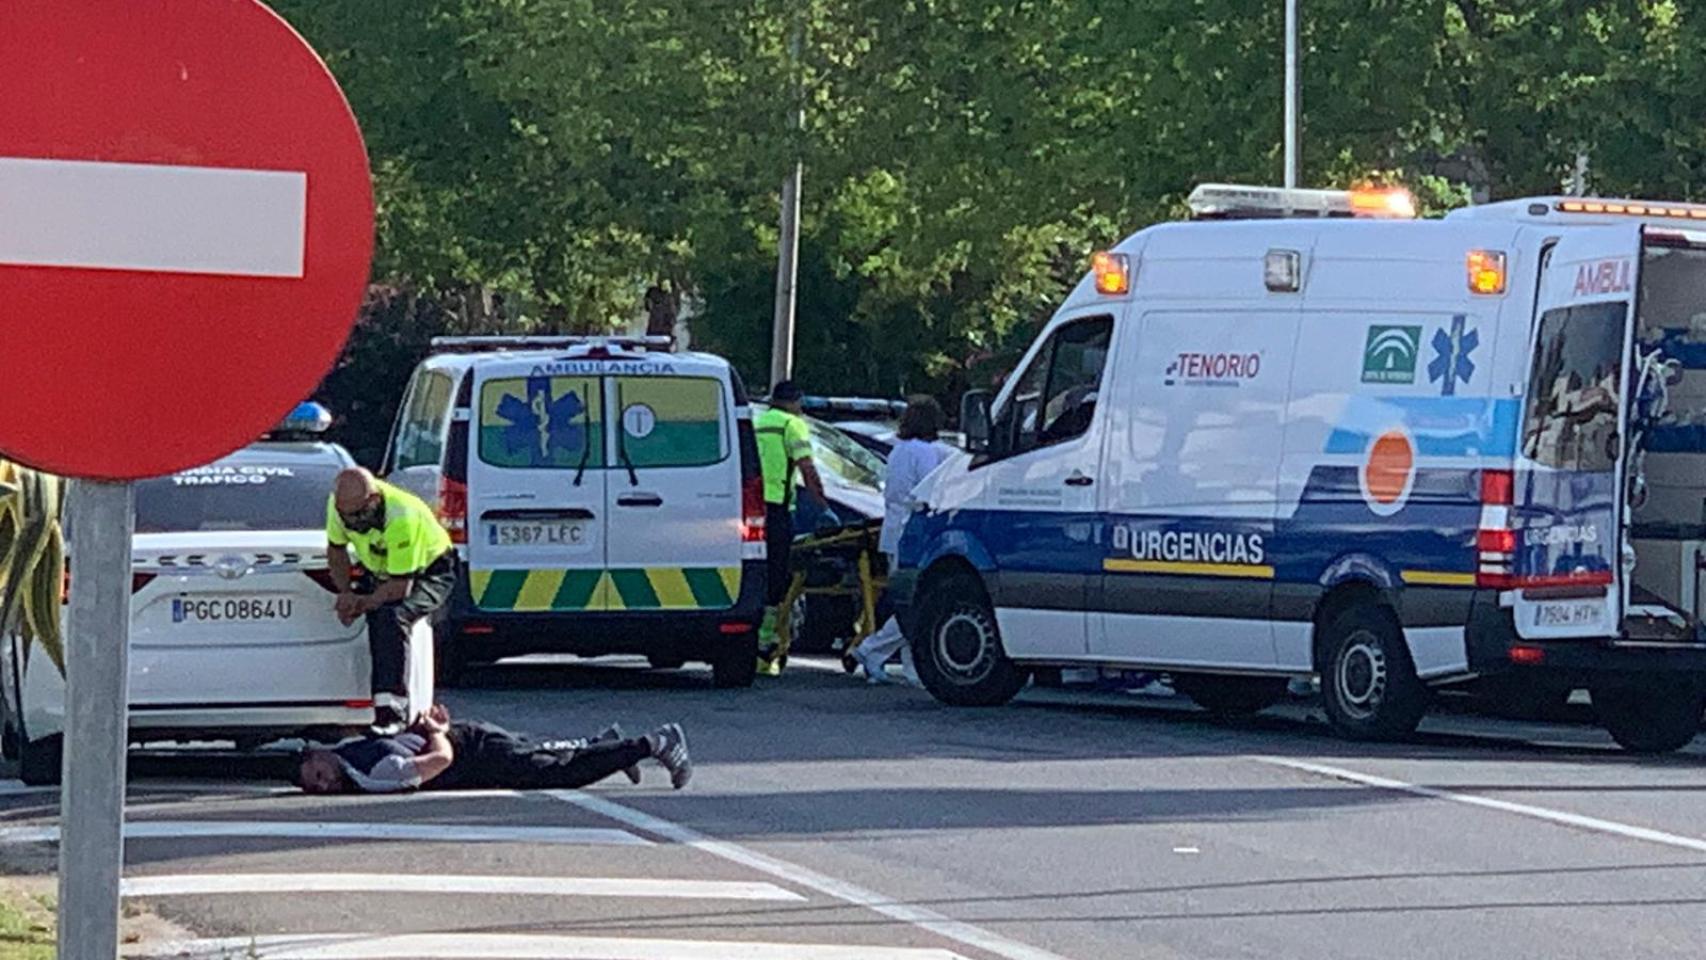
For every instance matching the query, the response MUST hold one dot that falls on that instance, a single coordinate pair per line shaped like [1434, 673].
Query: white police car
[233, 633]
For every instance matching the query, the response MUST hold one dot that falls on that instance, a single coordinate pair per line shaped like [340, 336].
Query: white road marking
[1560, 817]
[920, 917]
[154, 217]
[206, 884]
[515, 947]
[312, 830]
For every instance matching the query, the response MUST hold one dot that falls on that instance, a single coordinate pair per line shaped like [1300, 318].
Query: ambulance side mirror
[975, 420]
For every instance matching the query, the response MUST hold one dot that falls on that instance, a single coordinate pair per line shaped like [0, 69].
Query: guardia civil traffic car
[233, 631]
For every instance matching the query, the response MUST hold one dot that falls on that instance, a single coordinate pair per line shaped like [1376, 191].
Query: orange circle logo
[1386, 475]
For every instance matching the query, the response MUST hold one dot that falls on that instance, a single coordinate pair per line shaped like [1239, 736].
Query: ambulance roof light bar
[494, 343]
[1631, 208]
[1223, 201]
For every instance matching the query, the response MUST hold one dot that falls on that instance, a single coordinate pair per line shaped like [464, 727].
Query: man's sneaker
[388, 721]
[669, 748]
[611, 734]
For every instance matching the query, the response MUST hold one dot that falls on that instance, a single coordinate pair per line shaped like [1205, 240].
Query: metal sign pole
[101, 517]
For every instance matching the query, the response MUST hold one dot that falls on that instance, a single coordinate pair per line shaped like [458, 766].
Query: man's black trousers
[488, 757]
[388, 627]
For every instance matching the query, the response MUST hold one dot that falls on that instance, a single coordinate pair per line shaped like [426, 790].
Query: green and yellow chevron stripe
[647, 588]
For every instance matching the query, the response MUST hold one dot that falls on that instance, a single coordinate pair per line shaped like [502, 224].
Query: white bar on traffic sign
[152, 217]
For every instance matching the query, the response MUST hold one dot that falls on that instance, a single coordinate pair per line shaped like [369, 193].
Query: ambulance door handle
[639, 500]
[1079, 480]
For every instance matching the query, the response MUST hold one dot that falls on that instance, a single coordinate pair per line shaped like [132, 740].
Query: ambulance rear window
[672, 421]
[542, 423]
[1574, 388]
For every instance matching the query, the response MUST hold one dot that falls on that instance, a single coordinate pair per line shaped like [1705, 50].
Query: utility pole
[1293, 95]
[788, 242]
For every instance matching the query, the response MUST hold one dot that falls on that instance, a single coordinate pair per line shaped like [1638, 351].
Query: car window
[542, 423]
[1574, 389]
[230, 496]
[1055, 399]
[836, 453]
[420, 440]
[672, 421]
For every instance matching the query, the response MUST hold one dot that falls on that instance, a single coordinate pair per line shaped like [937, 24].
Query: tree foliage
[585, 158]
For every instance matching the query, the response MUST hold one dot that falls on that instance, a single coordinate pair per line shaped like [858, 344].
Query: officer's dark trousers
[388, 627]
[488, 757]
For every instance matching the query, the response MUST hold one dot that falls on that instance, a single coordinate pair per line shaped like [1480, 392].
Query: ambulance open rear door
[1561, 556]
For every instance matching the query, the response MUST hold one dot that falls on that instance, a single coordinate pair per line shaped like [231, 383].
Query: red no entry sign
[186, 227]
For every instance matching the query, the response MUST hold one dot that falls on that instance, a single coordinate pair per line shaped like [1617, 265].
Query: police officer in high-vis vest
[408, 556]
[784, 453]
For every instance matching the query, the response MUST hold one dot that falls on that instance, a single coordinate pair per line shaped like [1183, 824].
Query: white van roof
[458, 354]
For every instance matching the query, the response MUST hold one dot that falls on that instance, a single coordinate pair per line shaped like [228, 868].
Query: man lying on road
[439, 755]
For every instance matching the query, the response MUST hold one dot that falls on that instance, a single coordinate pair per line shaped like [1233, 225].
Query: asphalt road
[832, 821]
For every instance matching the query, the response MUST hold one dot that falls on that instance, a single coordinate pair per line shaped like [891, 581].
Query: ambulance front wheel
[1368, 682]
[958, 650]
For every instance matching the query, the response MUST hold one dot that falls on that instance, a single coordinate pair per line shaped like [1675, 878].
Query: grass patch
[26, 926]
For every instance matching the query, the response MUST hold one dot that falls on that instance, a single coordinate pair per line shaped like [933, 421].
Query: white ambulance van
[604, 496]
[1307, 434]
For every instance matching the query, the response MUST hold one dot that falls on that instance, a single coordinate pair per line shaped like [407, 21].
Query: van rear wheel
[958, 652]
[1368, 683]
[1231, 697]
[1657, 716]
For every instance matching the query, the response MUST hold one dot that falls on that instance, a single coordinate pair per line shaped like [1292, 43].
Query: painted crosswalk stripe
[311, 830]
[449, 946]
[207, 884]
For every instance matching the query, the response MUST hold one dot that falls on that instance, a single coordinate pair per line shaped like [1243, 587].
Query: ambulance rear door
[1565, 539]
[537, 478]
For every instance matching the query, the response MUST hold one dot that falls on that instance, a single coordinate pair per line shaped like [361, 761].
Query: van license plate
[232, 609]
[537, 533]
[1569, 614]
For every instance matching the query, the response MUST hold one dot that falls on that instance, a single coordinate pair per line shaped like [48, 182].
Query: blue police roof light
[308, 417]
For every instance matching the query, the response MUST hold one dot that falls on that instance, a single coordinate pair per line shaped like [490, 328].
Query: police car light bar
[308, 417]
[482, 343]
[1222, 201]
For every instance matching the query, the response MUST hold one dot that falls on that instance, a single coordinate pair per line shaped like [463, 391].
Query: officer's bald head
[355, 488]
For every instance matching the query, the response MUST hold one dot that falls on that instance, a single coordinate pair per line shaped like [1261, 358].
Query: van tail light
[453, 509]
[1498, 488]
[752, 509]
[1495, 541]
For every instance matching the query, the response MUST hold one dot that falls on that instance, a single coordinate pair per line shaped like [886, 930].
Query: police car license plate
[537, 533]
[1576, 614]
[231, 609]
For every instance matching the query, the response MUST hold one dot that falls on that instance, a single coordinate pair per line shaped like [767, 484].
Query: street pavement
[829, 820]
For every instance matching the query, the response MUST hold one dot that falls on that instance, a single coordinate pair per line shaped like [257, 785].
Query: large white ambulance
[1307, 434]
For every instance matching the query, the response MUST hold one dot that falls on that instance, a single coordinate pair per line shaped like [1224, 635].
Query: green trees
[578, 164]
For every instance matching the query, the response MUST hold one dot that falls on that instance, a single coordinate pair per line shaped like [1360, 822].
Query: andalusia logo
[1389, 356]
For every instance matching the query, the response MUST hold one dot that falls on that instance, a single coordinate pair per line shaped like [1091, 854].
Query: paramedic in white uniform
[915, 454]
